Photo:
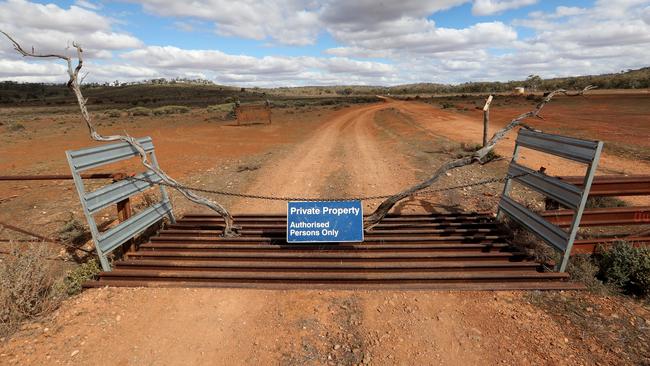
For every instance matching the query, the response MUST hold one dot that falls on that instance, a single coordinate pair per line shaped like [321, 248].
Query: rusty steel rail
[115, 176]
[601, 216]
[124, 211]
[614, 185]
[40, 237]
[467, 253]
[29, 233]
[607, 186]
[588, 246]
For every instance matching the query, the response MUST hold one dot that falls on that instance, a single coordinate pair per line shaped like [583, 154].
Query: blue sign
[318, 222]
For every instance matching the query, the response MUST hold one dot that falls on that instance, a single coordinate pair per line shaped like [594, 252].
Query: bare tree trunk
[74, 84]
[486, 120]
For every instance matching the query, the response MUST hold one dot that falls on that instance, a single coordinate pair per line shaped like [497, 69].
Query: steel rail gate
[92, 202]
[463, 250]
[569, 195]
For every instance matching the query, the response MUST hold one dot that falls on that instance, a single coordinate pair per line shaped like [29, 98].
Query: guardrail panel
[93, 157]
[119, 191]
[114, 237]
[583, 151]
[550, 233]
[565, 193]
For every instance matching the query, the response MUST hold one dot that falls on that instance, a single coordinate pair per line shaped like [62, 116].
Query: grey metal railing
[115, 193]
[573, 197]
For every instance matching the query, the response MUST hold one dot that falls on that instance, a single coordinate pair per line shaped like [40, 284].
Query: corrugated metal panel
[550, 233]
[134, 225]
[566, 147]
[106, 154]
[565, 193]
[119, 191]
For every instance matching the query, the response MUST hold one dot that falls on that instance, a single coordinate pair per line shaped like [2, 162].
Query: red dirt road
[344, 157]
[346, 153]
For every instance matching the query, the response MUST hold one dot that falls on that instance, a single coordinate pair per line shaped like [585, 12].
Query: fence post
[486, 119]
[124, 212]
[237, 111]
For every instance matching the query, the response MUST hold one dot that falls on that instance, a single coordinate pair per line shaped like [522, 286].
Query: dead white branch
[476, 157]
[74, 86]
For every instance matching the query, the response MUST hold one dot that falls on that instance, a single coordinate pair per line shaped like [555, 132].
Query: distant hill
[202, 94]
[631, 79]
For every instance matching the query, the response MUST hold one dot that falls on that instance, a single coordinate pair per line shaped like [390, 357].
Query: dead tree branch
[476, 157]
[74, 85]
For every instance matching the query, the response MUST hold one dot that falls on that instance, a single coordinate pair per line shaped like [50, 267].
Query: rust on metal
[588, 246]
[615, 185]
[124, 212]
[607, 186]
[29, 233]
[435, 251]
[601, 216]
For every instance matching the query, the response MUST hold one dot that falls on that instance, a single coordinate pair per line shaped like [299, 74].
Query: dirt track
[347, 155]
[344, 157]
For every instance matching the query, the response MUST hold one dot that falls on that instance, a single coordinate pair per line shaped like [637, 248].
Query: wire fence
[336, 199]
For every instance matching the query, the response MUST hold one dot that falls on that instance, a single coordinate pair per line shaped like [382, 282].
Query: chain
[358, 198]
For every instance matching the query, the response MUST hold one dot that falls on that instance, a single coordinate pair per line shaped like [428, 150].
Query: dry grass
[140, 111]
[113, 113]
[610, 324]
[29, 286]
[170, 109]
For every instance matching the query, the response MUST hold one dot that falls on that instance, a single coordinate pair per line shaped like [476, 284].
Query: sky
[269, 43]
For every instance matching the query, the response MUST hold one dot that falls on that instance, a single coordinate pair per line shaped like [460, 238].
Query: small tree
[533, 82]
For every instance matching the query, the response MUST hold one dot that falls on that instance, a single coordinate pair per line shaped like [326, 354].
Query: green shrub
[170, 109]
[140, 111]
[113, 113]
[75, 278]
[626, 267]
[221, 108]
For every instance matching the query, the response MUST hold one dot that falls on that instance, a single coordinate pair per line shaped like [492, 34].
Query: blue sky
[306, 42]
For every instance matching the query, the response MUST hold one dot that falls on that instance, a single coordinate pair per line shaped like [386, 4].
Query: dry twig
[74, 85]
[476, 157]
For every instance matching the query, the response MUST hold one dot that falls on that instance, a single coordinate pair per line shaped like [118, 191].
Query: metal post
[591, 172]
[124, 213]
[508, 184]
[163, 192]
[106, 266]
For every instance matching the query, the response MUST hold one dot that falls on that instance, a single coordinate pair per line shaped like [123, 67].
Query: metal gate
[92, 202]
[569, 195]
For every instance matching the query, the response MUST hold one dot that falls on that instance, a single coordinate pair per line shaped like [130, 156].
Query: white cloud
[404, 40]
[286, 21]
[608, 36]
[88, 4]
[646, 15]
[361, 14]
[51, 28]
[173, 61]
[489, 7]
